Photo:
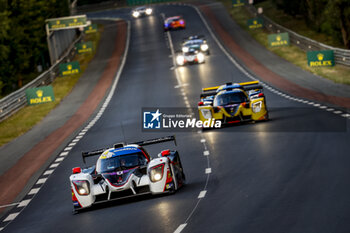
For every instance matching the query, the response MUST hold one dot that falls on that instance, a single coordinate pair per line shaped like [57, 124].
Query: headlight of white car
[206, 113]
[156, 172]
[82, 187]
[180, 60]
[149, 11]
[256, 107]
[185, 49]
[200, 57]
[204, 47]
[135, 14]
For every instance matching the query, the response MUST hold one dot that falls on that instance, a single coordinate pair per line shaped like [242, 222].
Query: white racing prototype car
[197, 43]
[192, 56]
[125, 171]
[141, 11]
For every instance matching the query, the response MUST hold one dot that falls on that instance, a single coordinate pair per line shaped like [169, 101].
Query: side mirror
[200, 103]
[76, 170]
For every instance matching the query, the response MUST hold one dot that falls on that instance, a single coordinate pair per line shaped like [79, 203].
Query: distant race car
[175, 22]
[233, 103]
[195, 42]
[141, 11]
[126, 171]
[192, 56]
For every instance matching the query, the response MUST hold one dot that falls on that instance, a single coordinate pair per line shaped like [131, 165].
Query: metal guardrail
[341, 56]
[16, 100]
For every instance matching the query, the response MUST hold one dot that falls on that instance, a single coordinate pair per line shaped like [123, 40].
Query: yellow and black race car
[233, 103]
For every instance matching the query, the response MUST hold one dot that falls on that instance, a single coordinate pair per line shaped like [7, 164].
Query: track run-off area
[288, 174]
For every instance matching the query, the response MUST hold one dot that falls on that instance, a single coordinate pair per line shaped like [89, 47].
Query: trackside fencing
[16, 100]
[341, 56]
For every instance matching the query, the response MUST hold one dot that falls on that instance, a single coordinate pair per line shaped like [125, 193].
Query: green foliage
[331, 17]
[23, 38]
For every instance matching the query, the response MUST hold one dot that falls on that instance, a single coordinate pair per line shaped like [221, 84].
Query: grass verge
[337, 73]
[27, 117]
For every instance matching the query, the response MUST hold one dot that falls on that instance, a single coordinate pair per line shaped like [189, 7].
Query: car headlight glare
[148, 11]
[180, 60]
[200, 57]
[82, 187]
[136, 14]
[185, 49]
[156, 172]
[256, 107]
[204, 47]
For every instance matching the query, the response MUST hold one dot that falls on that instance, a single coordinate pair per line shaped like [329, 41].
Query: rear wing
[140, 143]
[156, 140]
[209, 91]
[251, 85]
[92, 153]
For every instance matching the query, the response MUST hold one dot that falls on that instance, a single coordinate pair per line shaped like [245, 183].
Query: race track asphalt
[289, 174]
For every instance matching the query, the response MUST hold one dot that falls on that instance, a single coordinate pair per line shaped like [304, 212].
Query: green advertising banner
[280, 39]
[66, 22]
[238, 3]
[320, 58]
[91, 28]
[69, 68]
[40, 95]
[255, 23]
[84, 47]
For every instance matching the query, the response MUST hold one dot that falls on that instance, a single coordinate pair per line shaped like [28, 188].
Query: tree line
[331, 17]
[23, 45]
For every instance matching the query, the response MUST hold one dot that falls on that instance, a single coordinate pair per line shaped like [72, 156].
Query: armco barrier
[16, 100]
[341, 56]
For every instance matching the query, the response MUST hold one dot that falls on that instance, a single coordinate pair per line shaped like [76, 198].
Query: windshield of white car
[120, 163]
[193, 42]
[230, 98]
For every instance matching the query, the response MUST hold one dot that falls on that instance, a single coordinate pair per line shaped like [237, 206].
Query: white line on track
[202, 194]
[180, 228]
[48, 172]
[54, 165]
[41, 181]
[24, 203]
[206, 152]
[68, 148]
[11, 217]
[8, 205]
[65, 153]
[208, 170]
[59, 159]
[34, 191]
